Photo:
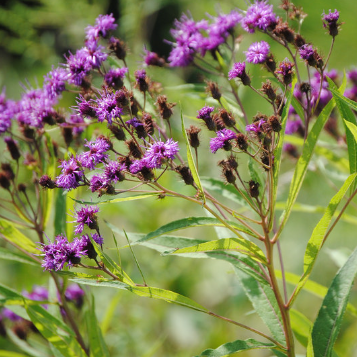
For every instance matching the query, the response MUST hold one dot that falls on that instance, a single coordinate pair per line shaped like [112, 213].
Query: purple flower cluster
[114, 77]
[260, 16]
[103, 25]
[256, 127]
[96, 154]
[222, 140]
[55, 81]
[86, 215]
[61, 251]
[238, 71]
[107, 108]
[205, 113]
[257, 52]
[71, 175]
[155, 155]
[7, 111]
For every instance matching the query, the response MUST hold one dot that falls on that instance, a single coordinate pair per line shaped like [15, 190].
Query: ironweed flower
[86, 215]
[113, 171]
[222, 141]
[55, 81]
[103, 25]
[257, 52]
[79, 66]
[93, 54]
[74, 293]
[286, 70]
[107, 108]
[71, 175]
[97, 153]
[331, 22]
[153, 59]
[114, 77]
[238, 71]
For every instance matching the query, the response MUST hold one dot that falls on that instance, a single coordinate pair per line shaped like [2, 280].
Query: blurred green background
[34, 35]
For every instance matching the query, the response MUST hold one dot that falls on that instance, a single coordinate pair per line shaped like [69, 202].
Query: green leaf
[317, 239]
[8, 255]
[329, 320]
[352, 128]
[55, 331]
[191, 163]
[10, 233]
[192, 222]
[348, 116]
[146, 291]
[227, 191]
[118, 200]
[241, 245]
[11, 354]
[301, 326]
[264, 302]
[236, 346]
[302, 164]
[60, 212]
[279, 146]
[97, 345]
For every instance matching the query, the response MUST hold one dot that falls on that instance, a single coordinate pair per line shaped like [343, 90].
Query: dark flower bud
[134, 105]
[27, 132]
[133, 149]
[193, 138]
[286, 70]
[226, 117]
[7, 169]
[118, 47]
[148, 124]
[67, 134]
[232, 162]
[117, 131]
[30, 160]
[283, 31]
[126, 161]
[185, 174]
[165, 108]
[212, 87]
[270, 63]
[22, 187]
[268, 90]
[297, 13]
[12, 147]
[55, 148]
[227, 172]
[4, 181]
[305, 87]
[331, 22]
[153, 59]
[253, 189]
[274, 122]
[46, 182]
[265, 159]
[142, 81]
[238, 71]
[291, 150]
[242, 142]
[219, 124]
[146, 174]
[299, 41]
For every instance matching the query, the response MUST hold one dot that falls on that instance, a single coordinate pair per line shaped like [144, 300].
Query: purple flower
[257, 52]
[181, 56]
[103, 24]
[55, 81]
[38, 293]
[71, 175]
[256, 127]
[7, 112]
[97, 153]
[331, 16]
[153, 59]
[222, 140]
[93, 54]
[352, 76]
[86, 215]
[79, 65]
[306, 52]
[74, 293]
[286, 70]
[61, 252]
[259, 15]
[85, 108]
[238, 71]
[114, 77]
[113, 171]
[98, 182]
[77, 122]
[137, 166]
[135, 122]
[8, 314]
[205, 112]
[107, 108]
[293, 126]
[160, 151]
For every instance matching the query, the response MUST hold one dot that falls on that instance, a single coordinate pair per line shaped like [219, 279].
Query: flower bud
[253, 189]
[185, 174]
[12, 147]
[193, 138]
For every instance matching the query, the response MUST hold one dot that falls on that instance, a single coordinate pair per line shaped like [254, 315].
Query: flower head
[257, 52]
[55, 81]
[238, 71]
[153, 59]
[103, 25]
[306, 52]
[114, 77]
[97, 153]
[286, 70]
[71, 175]
[74, 293]
[86, 215]
[79, 66]
[331, 22]
[93, 54]
[222, 140]
[113, 171]
[107, 108]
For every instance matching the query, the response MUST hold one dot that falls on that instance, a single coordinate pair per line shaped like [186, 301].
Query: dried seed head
[117, 131]
[253, 189]
[46, 182]
[274, 122]
[164, 107]
[193, 138]
[185, 174]
[148, 124]
[118, 47]
[283, 31]
[12, 147]
[242, 142]
[226, 117]
[212, 87]
[133, 149]
[268, 90]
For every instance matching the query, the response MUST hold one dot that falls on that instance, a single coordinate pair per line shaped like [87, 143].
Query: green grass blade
[301, 326]
[316, 241]
[191, 162]
[60, 212]
[329, 319]
[235, 347]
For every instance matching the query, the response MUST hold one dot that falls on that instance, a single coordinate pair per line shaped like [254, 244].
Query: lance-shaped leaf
[302, 164]
[264, 302]
[191, 162]
[236, 346]
[60, 209]
[240, 245]
[193, 222]
[119, 200]
[352, 128]
[8, 255]
[328, 323]
[317, 239]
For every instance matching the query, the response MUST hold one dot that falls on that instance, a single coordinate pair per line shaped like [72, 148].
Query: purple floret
[115, 76]
[181, 56]
[8, 314]
[257, 52]
[103, 25]
[259, 15]
[79, 66]
[97, 153]
[237, 71]
[135, 122]
[222, 139]
[7, 112]
[114, 171]
[331, 16]
[74, 293]
[98, 182]
[285, 68]
[306, 52]
[55, 81]
[93, 54]
[71, 174]
[107, 108]
[160, 151]
[38, 293]
[86, 215]
[205, 112]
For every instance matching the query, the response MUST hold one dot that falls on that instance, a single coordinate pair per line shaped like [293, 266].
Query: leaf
[227, 191]
[97, 345]
[118, 200]
[191, 163]
[55, 331]
[241, 245]
[348, 116]
[60, 212]
[8, 255]
[11, 354]
[301, 326]
[302, 164]
[317, 239]
[352, 128]
[13, 235]
[146, 291]
[191, 222]
[264, 302]
[329, 320]
[236, 346]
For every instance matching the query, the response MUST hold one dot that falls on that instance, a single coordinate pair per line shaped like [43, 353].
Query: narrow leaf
[118, 200]
[191, 162]
[8, 255]
[301, 326]
[352, 128]
[329, 319]
[316, 241]
[240, 245]
[236, 346]
[60, 212]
